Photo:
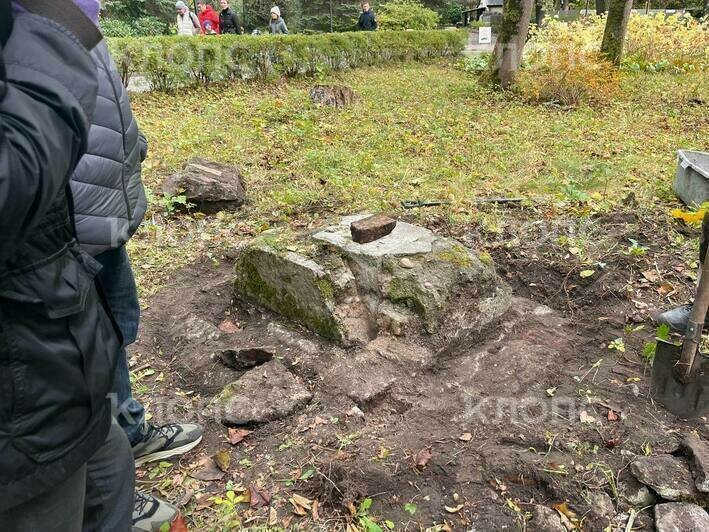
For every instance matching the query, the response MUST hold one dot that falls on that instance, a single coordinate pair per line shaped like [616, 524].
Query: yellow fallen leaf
[587, 273]
[302, 501]
[466, 436]
[454, 509]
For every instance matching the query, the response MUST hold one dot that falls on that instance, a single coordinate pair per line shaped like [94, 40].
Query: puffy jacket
[228, 22]
[278, 27]
[57, 342]
[109, 198]
[367, 21]
[209, 20]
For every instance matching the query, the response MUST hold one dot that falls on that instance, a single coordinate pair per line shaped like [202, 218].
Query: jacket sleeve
[374, 21]
[47, 95]
[143, 146]
[284, 28]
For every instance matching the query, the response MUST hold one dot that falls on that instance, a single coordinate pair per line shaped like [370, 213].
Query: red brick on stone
[372, 228]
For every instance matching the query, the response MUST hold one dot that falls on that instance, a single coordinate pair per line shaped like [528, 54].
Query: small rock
[698, 452]
[680, 517]
[355, 411]
[372, 228]
[333, 95]
[407, 263]
[635, 493]
[194, 329]
[262, 394]
[209, 186]
[545, 520]
[600, 503]
[667, 475]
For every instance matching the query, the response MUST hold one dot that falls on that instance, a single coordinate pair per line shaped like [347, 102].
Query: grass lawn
[419, 131]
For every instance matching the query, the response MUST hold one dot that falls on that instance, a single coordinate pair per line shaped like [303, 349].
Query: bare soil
[475, 434]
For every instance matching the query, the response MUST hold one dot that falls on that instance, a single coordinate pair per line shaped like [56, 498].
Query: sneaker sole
[164, 455]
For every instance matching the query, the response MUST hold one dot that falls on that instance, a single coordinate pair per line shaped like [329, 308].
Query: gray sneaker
[150, 514]
[166, 441]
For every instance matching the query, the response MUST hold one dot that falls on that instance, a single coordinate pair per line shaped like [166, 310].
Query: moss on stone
[486, 259]
[408, 291]
[457, 255]
[327, 289]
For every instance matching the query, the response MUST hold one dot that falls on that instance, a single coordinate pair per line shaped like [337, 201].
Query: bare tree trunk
[616, 26]
[600, 7]
[510, 40]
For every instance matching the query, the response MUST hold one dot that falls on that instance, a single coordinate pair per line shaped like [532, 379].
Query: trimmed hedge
[172, 62]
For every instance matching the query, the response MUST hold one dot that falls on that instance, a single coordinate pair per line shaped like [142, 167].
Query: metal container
[692, 181]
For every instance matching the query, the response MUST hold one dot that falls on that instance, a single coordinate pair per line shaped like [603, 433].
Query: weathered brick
[372, 228]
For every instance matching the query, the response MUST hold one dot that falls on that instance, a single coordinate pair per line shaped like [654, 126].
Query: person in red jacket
[208, 18]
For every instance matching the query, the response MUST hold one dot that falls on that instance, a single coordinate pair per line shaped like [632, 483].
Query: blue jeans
[122, 296]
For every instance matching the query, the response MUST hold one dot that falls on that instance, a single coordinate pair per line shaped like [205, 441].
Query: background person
[367, 20]
[277, 26]
[187, 22]
[208, 18]
[58, 343]
[228, 22]
[109, 205]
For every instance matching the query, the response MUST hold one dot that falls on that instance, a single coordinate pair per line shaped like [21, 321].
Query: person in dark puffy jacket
[109, 205]
[228, 21]
[58, 343]
[367, 20]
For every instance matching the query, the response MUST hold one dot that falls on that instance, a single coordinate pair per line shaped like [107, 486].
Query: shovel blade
[685, 400]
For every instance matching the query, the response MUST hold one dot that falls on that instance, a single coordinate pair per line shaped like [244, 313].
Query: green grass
[420, 131]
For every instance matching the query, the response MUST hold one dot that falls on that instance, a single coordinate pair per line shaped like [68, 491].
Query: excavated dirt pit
[534, 409]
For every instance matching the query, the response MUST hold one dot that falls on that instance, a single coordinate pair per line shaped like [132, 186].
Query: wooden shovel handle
[685, 368]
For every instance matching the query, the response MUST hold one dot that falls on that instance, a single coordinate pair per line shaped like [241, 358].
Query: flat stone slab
[265, 393]
[405, 239]
[698, 452]
[208, 185]
[680, 517]
[669, 476]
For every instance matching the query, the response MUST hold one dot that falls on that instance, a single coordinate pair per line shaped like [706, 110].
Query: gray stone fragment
[600, 503]
[194, 330]
[698, 452]
[209, 186]
[680, 517]
[635, 493]
[262, 394]
[332, 95]
[669, 476]
[545, 520]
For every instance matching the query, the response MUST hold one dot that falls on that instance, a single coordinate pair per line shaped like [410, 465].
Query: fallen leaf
[272, 517]
[586, 273]
[297, 508]
[302, 501]
[186, 498]
[665, 289]
[612, 416]
[651, 275]
[237, 435]
[178, 525]
[208, 470]
[466, 436]
[259, 497]
[454, 509]
[315, 514]
[551, 391]
[228, 326]
[222, 459]
[287, 521]
[423, 457]
[351, 508]
[568, 516]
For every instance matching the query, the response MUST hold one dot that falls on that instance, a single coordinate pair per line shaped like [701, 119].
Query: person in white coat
[187, 22]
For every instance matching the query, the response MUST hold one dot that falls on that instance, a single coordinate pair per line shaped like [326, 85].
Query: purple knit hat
[91, 8]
